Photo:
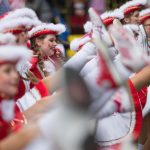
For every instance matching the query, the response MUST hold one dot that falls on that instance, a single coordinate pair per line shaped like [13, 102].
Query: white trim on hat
[79, 42]
[116, 13]
[22, 12]
[132, 3]
[7, 38]
[145, 12]
[59, 28]
[15, 53]
[88, 26]
[14, 23]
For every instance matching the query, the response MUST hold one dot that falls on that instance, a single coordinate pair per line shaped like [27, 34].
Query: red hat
[14, 54]
[17, 25]
[7, 38]
[132, 6]
[108, 17]
[46, 29]
[22, 12]
[144, 15]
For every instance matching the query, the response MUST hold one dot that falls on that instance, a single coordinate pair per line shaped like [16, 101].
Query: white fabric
[14, 53]
[7, 38]
[39, 143]
[78, 61]
[59, 28]
[146, 109]
[116, 13]
[89, 66]
[132, 3]
[145, 12]
[88, 27]
[115, 128]
[29, 99]
[142, 40]
[77, 124]
[10, 24]
[49, 66]
[7, 109]
[78, 42]
[120, 100]
[22, 12]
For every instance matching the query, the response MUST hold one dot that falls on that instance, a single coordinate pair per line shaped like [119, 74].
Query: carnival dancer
[43, 43]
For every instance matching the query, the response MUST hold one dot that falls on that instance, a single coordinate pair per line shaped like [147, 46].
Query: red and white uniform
[11, 118]
[30, 98]
[50, 64]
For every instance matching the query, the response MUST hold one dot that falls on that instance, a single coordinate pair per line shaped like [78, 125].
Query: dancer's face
[9, 80]
[47, 45]
[132, 18]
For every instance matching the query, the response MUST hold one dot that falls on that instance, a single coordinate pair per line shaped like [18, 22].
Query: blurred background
[72, 13]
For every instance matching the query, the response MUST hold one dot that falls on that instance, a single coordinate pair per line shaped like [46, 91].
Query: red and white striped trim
[14, 54]
[7, 38]
[76, 44]
[108, 17]
[133, 5]
[144, 15]
[46, 29]
[138, 110]
[17, 25]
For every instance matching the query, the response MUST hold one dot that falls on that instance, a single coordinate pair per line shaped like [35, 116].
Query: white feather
[13, 53]
[145, 12]
[59, 28]
[116, 13]
[13, 23]
[7, 38]
[76, 43]
[22, 12]
[88, 27]
[132, 3]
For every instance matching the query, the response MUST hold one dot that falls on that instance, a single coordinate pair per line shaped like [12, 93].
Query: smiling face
[132, 18]
[47, 45]
[9, 80]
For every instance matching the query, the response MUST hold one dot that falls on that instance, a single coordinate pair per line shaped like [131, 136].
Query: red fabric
[138, 110]
[43, 32]
[105, 74]
[108, 21]
[34, 69]
[18, 120]
[78, 20]
[5, 128]
[143, 18]
[131, 9]
[22, 89]
[42, 89]
[8, 127]
[28, 44]
[143, 96]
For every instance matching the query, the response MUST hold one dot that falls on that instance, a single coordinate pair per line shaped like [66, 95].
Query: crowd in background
[73, 13]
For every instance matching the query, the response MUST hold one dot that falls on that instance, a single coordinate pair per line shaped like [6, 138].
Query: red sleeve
[42, 89]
